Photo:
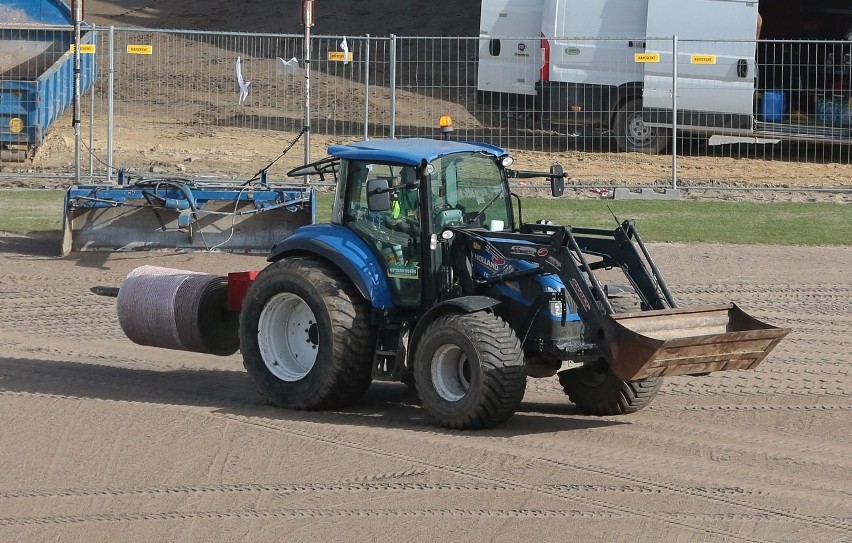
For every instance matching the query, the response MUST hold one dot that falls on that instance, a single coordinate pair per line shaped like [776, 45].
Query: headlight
[507, 161]
[556, 308]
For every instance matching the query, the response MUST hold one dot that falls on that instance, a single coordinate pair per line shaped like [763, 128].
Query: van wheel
[633, 135]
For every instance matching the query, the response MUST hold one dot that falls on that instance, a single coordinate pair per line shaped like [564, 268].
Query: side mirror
[557, 180]
[378, 195]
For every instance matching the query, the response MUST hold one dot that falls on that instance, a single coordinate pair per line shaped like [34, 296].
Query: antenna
[617, 222]
[613, 215]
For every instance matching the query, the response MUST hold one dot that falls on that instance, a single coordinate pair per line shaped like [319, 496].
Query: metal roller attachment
[178, 309]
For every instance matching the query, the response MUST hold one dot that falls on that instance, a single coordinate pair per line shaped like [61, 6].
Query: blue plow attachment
[181, 214]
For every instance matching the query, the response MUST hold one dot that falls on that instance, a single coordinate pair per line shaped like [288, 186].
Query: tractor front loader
[657, 339]
[428, 275]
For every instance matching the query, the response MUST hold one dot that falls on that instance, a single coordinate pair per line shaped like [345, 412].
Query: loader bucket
[688, 341]
[231, 218]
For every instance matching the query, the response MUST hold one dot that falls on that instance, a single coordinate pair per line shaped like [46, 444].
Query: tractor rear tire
[305, 335]
[469, 370]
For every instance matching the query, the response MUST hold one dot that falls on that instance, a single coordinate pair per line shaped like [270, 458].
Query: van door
[716, 62]
[510, 46]
[592, 43]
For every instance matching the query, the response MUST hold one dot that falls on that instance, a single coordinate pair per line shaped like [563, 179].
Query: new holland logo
[489, 263]
[495, 255]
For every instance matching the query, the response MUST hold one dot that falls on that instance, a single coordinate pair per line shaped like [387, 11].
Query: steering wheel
[404, 225]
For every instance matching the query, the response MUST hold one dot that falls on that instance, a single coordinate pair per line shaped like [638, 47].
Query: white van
[608, 64]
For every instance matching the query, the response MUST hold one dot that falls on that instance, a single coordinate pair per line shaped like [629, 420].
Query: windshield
[468, 189]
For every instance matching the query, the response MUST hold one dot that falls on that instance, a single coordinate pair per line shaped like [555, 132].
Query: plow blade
[227, 218]
[688, 341]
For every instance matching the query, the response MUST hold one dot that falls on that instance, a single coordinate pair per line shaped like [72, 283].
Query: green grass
[32, 211]
[807, 223]
[785, 223]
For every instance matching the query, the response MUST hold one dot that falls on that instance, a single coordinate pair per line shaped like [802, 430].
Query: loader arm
[664, 340]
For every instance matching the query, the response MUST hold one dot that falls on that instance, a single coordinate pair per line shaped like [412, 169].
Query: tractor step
[688, 341]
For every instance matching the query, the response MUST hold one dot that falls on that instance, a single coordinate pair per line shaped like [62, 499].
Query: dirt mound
[354, 18]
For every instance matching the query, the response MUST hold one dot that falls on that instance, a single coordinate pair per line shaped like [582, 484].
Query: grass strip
[782, 223]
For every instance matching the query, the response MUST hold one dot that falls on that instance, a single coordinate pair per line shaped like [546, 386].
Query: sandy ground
[104, 440]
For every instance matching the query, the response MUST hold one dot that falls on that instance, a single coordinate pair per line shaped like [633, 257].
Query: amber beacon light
[446, 124]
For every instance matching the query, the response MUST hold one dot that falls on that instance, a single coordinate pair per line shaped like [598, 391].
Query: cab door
[716, 59]
[394, 234]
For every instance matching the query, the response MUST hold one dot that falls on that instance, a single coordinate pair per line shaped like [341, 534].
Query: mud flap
[688, 341]
[203, 217]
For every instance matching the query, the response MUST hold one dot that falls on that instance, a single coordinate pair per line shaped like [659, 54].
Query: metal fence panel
[158, 89]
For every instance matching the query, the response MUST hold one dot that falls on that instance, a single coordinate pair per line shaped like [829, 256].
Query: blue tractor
[427, 274]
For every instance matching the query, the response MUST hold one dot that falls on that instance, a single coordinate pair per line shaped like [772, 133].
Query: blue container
[835, 111]
[773, 107]
[36, 92]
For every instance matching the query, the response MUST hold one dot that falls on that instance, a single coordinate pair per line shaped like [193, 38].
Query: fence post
[674, 112]
[367, 91]
[78, 20]
[309, 21]
[93, 66]
[110, 101]
[392, 86]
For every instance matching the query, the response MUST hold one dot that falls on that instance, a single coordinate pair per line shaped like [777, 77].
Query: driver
[404, 214]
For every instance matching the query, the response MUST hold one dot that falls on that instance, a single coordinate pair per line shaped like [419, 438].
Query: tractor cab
[399, 196]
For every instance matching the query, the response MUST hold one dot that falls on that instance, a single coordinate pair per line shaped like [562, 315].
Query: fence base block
[646, 194]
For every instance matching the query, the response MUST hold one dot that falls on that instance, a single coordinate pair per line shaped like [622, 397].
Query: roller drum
[178, 309]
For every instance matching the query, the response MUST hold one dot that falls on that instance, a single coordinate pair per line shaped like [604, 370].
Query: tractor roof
[408, 151]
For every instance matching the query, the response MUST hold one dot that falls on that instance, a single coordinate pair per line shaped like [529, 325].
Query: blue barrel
[773, 107]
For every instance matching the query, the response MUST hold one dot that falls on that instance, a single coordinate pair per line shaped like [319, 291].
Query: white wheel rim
[637, 129]
[288, 337]
[451, 372]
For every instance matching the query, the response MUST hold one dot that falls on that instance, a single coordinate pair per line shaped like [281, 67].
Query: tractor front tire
[596, 390]
[469, 370]
[305, 335]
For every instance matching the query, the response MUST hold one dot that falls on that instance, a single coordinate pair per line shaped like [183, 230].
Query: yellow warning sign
[140, 50]
[87, 48]
[340, 56]
[647, 57]
[703, 59]
[16, 125]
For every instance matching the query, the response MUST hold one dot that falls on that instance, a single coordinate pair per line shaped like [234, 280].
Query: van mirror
[378, 194]
[557, 180]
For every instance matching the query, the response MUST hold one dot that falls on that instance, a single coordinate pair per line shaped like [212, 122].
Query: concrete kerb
[646, 194]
